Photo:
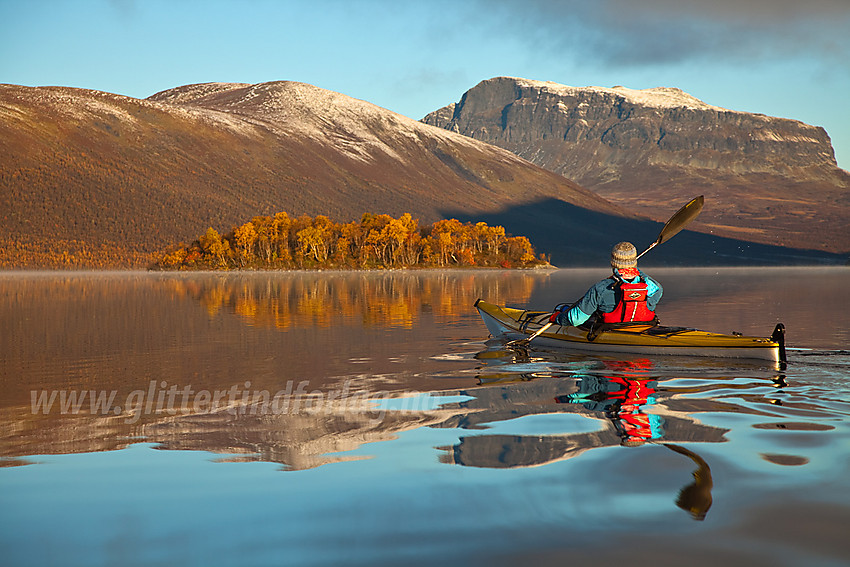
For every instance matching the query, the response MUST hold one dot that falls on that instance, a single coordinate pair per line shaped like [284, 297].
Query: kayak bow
[509, 323]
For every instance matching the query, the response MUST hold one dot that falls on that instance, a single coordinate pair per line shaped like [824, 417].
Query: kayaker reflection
[622, 397]
[622, 392]
[628, 295]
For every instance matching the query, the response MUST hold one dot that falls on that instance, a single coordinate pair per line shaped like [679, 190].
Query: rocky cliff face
[770, 180]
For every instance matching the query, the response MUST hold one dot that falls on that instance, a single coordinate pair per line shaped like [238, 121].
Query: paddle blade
[682, 217]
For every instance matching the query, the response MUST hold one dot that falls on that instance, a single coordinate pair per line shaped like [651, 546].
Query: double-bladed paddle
[676, 223]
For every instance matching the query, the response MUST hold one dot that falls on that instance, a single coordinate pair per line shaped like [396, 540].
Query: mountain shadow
[576, 237]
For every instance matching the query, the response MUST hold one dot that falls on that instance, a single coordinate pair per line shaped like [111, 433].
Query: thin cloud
[125, 9]
[649, 32]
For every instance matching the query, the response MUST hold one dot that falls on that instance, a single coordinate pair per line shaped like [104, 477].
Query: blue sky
[777, 57]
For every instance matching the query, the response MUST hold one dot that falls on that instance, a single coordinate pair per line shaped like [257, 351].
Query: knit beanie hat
[624, 255]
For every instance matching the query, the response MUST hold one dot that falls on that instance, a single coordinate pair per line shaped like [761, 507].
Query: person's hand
[553, 318]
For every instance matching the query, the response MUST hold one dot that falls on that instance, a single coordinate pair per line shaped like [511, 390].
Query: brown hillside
[95, 179]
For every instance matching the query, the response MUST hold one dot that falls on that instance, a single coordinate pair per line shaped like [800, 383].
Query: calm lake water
[365, 419]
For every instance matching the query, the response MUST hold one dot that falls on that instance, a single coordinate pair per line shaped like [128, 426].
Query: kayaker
[628, 295]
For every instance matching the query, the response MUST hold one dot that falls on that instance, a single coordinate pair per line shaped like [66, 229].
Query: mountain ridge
[770, 180]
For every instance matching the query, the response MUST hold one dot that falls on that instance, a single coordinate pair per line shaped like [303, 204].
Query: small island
[377, 241]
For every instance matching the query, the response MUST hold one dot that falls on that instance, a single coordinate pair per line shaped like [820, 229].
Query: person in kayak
[628, 295]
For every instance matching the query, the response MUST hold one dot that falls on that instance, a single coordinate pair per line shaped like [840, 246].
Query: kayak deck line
[508, 323]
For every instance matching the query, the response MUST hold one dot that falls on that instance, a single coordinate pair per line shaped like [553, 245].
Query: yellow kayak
[646, 339]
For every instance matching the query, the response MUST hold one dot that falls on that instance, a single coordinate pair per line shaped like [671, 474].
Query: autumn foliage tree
[377, 241]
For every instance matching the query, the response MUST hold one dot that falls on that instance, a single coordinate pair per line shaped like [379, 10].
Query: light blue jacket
[601, 297]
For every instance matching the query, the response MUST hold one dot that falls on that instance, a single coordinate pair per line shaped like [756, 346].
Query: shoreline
[541, 270]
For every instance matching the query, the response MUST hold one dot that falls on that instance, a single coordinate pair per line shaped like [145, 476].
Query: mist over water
[365, 418]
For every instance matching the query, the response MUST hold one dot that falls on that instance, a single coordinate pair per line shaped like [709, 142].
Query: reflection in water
[297, 441]
[695, 497]
[211, 332]
[623, 397]
[109, 336]
[623, 394]
[322, 300]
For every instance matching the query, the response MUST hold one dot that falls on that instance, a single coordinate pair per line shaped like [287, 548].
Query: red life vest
[631, 304]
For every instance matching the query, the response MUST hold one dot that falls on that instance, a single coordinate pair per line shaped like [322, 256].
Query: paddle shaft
[540, 331]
